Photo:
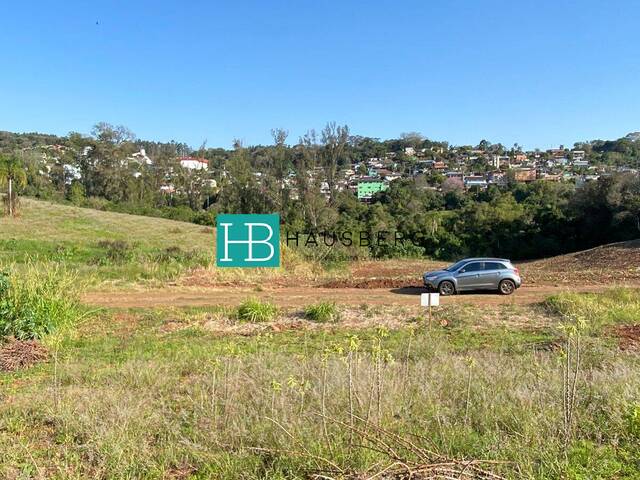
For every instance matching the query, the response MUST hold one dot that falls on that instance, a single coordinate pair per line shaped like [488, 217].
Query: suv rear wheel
[507, 287]
[446, 288]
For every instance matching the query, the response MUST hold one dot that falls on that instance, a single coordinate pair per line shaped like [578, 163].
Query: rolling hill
[113, 246]
[53, 222]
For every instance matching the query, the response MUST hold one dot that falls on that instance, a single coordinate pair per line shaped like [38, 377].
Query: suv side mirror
[462, 270]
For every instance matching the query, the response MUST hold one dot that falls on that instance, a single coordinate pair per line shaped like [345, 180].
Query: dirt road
[298, 296]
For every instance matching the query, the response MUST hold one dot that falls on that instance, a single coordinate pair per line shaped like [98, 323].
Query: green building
[367, 188]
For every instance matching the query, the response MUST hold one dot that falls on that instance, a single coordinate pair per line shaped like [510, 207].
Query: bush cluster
[255, 311]
[36, 302]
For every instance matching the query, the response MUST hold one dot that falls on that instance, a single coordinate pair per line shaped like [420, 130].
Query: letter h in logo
[248, 240]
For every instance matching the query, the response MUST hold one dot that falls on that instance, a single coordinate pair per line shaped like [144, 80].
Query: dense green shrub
[633, 421]
[255, 311]
[322, 312]
[36, 302]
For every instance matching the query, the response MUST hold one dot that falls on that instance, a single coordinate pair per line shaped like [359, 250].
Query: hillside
[615, 262]
[111, 245]
[52, 222]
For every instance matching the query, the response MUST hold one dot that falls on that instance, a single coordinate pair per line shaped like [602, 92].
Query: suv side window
[473, 267]
[494, 266]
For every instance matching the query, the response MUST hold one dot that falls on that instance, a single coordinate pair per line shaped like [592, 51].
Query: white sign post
[430, 300]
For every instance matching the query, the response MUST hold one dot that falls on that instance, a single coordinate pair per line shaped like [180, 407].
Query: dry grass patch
[17, 354]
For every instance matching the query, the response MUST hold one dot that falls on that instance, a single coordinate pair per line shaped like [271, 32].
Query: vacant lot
[173, 369]
[198, 393]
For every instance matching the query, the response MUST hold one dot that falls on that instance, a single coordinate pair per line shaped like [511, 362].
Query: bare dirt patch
[369, 283]
[629, 336]
[301, 296]
[18, 354]
[613, 263]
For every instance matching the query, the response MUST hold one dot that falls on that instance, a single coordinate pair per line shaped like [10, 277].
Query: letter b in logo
[248, 240]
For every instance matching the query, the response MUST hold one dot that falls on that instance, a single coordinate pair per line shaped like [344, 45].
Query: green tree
[241, 192]
[76, 193]
[14, 176]
[334, 143]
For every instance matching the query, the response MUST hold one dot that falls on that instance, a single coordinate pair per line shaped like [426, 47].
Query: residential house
[475, 181]
[368, 187]
[549, 177]
[141, 157]
[557, 152]
[191, 163]
[580, 164]
[500, 161]
[577, 155]
[525, 174]
[497, 178]
[71, 173]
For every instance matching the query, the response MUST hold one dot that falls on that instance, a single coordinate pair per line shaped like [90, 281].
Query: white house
[192, 163]
[580, 163]
[141, 157]
[71, 173]
[577, 155]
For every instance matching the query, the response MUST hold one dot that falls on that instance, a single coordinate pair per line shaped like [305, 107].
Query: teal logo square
[248, 240]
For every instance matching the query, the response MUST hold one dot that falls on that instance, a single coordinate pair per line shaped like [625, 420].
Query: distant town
[434, 165]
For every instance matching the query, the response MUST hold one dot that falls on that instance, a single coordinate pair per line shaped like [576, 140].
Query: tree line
[302, 182]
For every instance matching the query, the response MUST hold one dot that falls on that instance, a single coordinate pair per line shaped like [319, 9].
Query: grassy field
[168, 394]
[104, 246]
[313, 389]
[120, 250]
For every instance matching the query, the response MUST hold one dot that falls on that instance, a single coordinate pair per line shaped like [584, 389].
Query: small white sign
[430, 299]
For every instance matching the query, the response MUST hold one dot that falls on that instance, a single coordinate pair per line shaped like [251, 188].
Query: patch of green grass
[596, 310]
[322, 312]
[36, 302]
[587, 459]
[131, 400]
[501, 339]
[121, 249]
[255, 311]
[103, 246]
[633, 421]
[45, 221]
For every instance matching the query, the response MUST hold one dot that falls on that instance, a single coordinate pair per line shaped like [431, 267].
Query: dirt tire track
[300, 296]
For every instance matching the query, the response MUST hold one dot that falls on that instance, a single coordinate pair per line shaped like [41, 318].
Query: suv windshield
[455, 266]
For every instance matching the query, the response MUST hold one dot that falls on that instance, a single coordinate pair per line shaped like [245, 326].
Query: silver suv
[475, 274]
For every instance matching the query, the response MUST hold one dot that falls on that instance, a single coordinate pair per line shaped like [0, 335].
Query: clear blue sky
[539, 73]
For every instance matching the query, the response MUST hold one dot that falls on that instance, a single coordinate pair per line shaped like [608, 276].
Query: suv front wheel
[446, 288]
[507, 287]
